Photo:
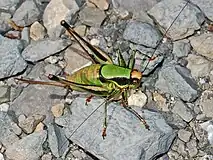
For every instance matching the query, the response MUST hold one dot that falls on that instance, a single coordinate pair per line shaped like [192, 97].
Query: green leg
[109, 99]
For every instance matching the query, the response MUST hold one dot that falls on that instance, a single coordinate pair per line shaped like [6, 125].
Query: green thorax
[110, 71]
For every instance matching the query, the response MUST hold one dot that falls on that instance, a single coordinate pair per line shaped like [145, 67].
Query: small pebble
[47, 156]
[39, 127]
[58, 110]
[4, 107]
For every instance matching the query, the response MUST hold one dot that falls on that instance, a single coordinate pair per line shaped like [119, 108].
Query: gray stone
[39, 50]
[15, 92]
[142, 58]
[133, 141]
[37, 98]
[26, 14]
[7, 135]
[4, 107]
[206, 102]
[25, 35]
[4, 26]
[184, 135]
[202, 44]
[27, 148]
[142, 33]
[37, 31]
[200, 134]
[181, 48]
[137, 7]
[188, 21]
[52, 69]
[73, 59]
[92, 16]
[175, 121]
[208, 127]
[29, 124]
[52, 19]
[179, 146]
[47, 157]
[9, 5]
[199, 66]
[192, 148]
[11, 61]
[206, 6]
[183, 111]
[58, 143]
[4, 94]
[102, 5]
[177, 81]
[173, 155]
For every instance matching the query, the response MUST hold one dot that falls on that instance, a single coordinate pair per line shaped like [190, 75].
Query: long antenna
[161, 40]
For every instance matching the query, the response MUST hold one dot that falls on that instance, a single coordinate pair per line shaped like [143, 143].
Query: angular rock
[160, 101]
[92, 16]
[4, 107]
[102, 5]
[29, 124]
[74, 59]
[183, 111]
[37, 31]
[192, 148]
[177, 81]
[9, 5]
[208, 127]
[133, 141]
[202, 44]
[7, 134]
[52, 69]
[52, 19]
[206, 6]
[188, 21]
[143, 61]
[4, 26]
[206, 102]
[58, 143]
[184, 135]
[58, 110]
[27, 148]
[25, 35]
[39, 50]
[142, 33]
[181, 48]
[179, 146]
[26, 14]
[11, 61]
[4, 94]
[137, 99]
[137, 7]
[199, 66]
[37, 98]
[47, 157]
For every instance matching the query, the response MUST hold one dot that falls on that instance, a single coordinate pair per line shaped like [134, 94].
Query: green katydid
[102, 78]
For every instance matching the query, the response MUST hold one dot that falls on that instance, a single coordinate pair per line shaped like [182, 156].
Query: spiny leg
[109, 99]
[125, 105]
[105, 121]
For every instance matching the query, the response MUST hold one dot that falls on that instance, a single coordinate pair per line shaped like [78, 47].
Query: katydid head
[135, 78]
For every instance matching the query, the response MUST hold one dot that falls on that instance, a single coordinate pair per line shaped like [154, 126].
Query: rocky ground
[174, 38]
